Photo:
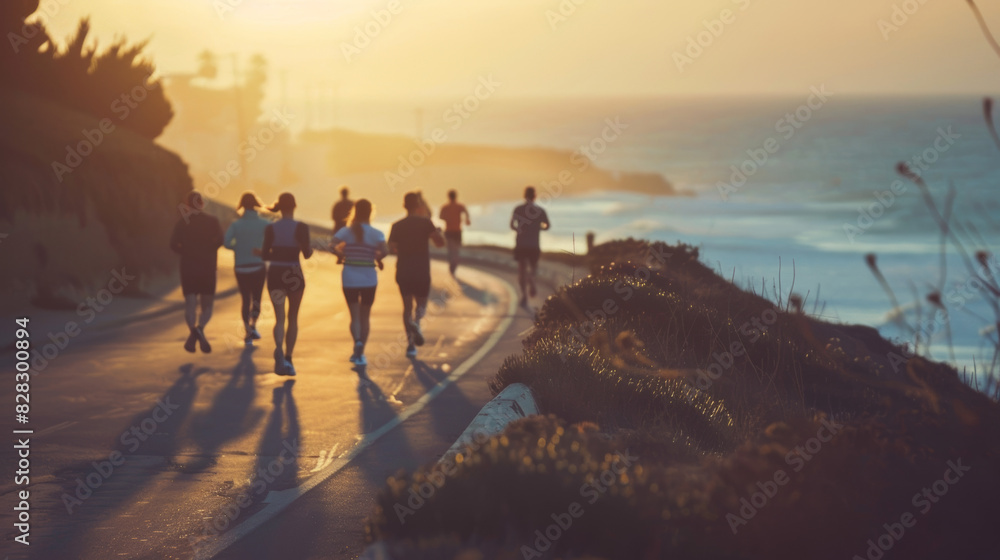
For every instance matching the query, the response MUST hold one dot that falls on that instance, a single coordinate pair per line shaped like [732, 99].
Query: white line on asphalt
[283, 499]
[57, 427]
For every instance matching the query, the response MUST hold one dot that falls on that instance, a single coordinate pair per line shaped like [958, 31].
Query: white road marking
[325, 458]
[406, 375]
[285, 498]
[57, 427]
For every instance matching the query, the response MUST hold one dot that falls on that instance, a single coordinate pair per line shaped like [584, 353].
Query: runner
[197, 238]
[362, 248]
[408, 239]
[452, 214]
[243, 237]
[340, 213]
[528, 221]
[284, 240]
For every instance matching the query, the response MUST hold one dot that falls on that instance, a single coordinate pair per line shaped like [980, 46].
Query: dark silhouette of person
[408, 239]
[528, 221]
[197, 238]
[341, 213]
[452, 214]
[243, 237]
[284, 241]
[342, 210]
[362, 247]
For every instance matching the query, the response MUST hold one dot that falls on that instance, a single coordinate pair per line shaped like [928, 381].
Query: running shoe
[254, 334]
[415, 334]
[289, 368]
[248, 342]
[279, 362]
[361, 361]
[411, 351]
[202, 341]
[358, 349]
[191, 341]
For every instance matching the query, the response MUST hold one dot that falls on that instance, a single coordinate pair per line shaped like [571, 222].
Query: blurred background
[766, 133]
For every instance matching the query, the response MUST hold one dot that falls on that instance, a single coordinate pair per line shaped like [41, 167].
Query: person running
[452, 214]
[284, 241]
[341, 212]
[197, 238]
[528, 221]
[244, 236]
[362, 248]
[408, 239]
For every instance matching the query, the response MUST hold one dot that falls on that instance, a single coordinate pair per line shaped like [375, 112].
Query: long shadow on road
[97, 491]
[229, 416]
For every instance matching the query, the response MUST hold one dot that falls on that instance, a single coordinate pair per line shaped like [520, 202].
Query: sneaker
[191, 341]
[415, 334]
[289, 368]
[248, 342]
[254, 334]
[358, 349]
[361, 360]
[202, 341]
[411, 351]
[279, 362]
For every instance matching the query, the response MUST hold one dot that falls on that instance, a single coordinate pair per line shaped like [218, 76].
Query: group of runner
[270, 252]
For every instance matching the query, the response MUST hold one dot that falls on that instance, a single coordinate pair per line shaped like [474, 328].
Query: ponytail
[362, 215]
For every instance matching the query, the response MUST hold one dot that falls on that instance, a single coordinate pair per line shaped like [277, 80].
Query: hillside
[692, 419]
[77, 203]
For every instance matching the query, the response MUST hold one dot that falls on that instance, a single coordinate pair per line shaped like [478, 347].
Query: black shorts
[418, 288]
[287, 279]
[455, 236]
[530, 254]
[365, 295]
[200, 281]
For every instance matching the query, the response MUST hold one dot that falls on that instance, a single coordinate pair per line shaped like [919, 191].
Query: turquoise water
[795, 204]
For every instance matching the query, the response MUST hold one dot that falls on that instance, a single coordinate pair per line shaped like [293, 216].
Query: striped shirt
[359, 256]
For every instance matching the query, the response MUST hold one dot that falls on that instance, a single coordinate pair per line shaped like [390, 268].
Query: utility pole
[241, 133]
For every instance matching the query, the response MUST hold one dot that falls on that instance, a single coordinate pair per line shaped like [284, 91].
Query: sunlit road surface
[228, 438]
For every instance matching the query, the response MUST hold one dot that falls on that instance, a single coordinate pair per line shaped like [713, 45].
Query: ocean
[780, 187]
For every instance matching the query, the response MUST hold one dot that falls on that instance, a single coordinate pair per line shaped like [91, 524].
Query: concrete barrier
[513, 403]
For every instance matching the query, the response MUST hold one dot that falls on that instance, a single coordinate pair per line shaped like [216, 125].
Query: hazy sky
[602, 47]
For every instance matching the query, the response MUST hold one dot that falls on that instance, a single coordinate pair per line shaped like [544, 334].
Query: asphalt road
[142, 450]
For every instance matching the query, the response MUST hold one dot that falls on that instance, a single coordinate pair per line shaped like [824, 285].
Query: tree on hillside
[115, 83]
